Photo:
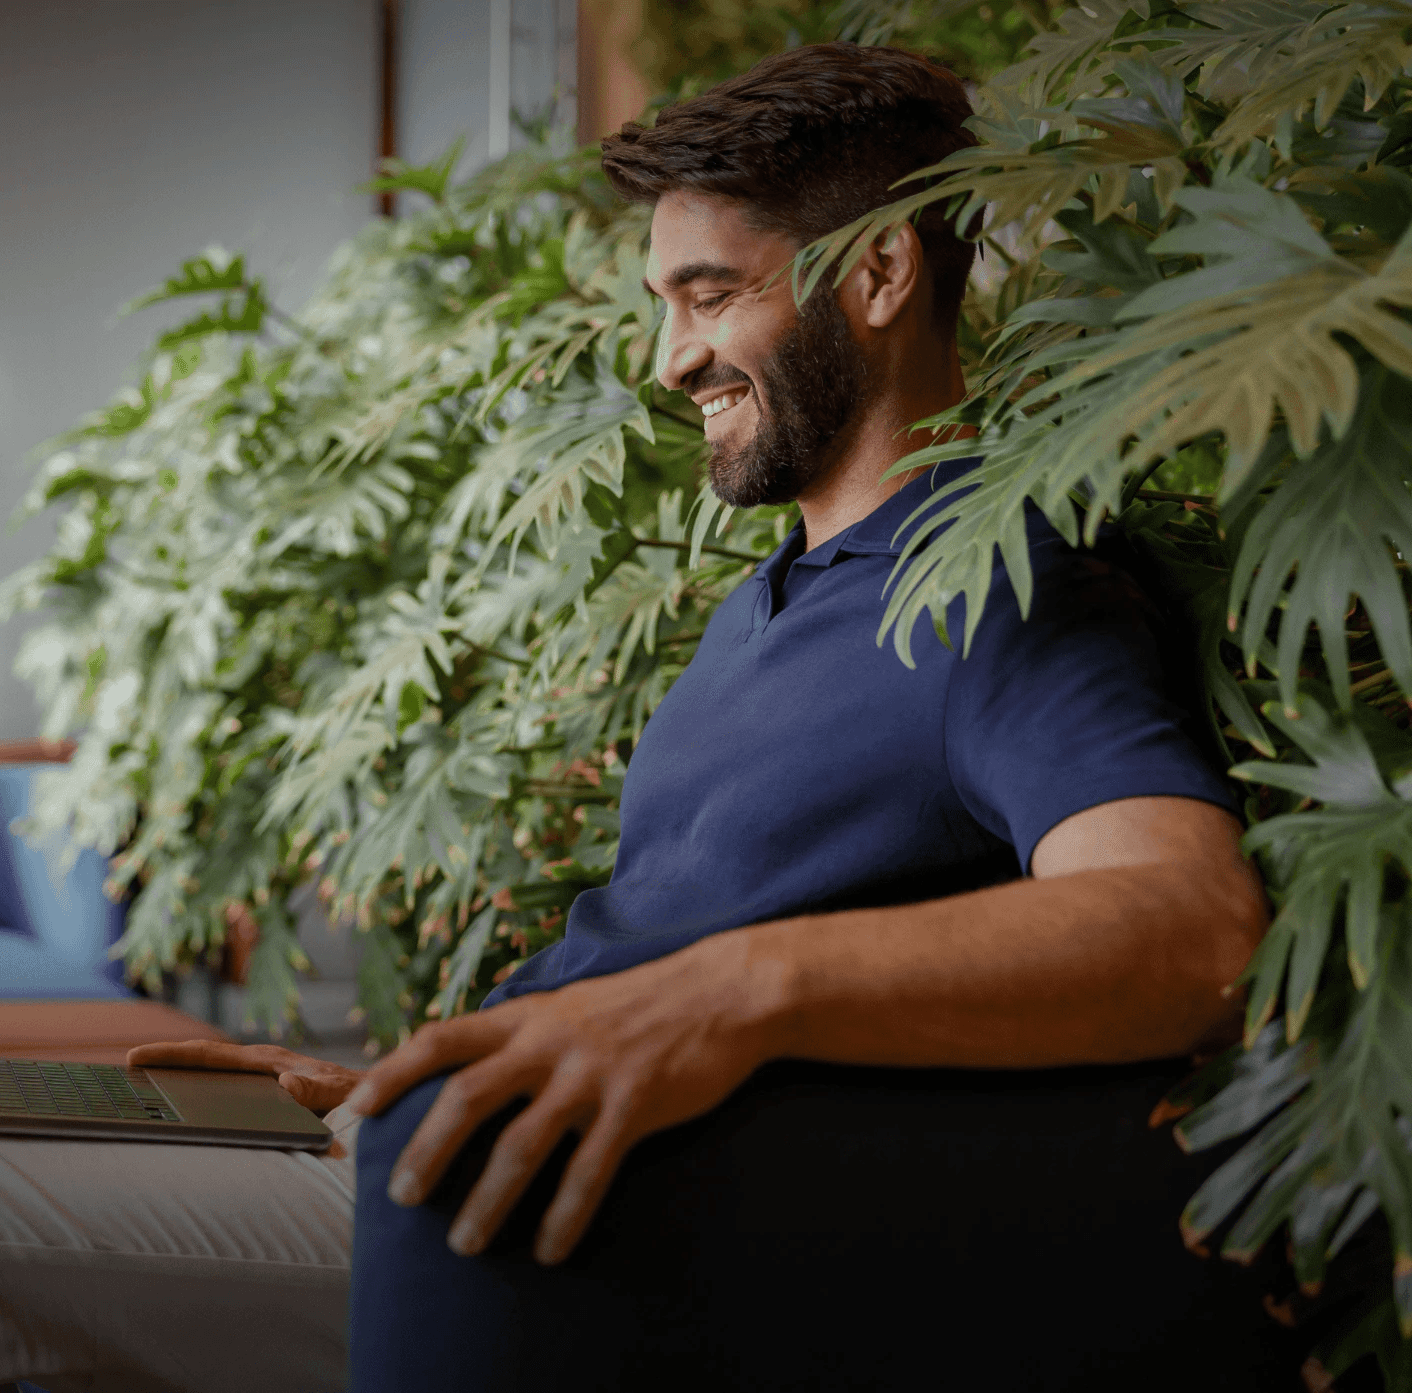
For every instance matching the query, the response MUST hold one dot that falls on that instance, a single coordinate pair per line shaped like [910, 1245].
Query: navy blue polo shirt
[798, 767]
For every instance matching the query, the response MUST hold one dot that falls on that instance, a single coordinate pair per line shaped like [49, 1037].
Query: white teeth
[723, 403]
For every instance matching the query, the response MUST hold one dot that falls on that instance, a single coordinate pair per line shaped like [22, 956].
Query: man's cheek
[722, 339]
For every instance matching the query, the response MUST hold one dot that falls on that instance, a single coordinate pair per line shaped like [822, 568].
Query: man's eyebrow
[683, 276]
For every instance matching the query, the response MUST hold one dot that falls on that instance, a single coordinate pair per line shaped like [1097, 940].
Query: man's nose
[678, 354]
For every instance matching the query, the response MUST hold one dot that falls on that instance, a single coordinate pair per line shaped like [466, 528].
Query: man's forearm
[1099, 966]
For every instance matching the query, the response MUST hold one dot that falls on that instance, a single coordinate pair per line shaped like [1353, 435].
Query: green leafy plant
[381, 594]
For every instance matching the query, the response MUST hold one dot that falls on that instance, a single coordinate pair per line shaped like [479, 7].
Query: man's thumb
[296, 1085]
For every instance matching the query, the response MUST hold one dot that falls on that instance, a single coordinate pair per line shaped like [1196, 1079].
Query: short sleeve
[1070, 708]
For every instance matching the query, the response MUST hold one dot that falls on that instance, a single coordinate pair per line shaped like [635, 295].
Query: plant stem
[686, 546]
[1031, 12]
[496, 653]
[1134, 485]
[286, 321]
[580, 793]
[1205, 500]
[672, 416]
[999, 251]
[1368, 683]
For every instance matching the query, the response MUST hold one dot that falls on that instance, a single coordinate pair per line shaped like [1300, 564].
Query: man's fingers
[432, 1050]
[465, 1101]
[191, 1054]
[523, 1147]
[211, 1054]
[318, 1086]
[586, 1179]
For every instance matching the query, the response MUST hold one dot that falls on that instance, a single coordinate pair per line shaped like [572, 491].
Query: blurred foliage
[686, 45]
[381, 594]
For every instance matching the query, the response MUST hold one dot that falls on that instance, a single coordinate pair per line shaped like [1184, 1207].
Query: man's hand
[320, 1087]
[612, 1059]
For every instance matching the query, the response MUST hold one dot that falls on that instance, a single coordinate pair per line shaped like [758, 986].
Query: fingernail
[465, 1239]
[361, 1098]
[403, 1188]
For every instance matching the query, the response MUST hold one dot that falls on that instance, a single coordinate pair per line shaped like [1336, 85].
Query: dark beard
[813, 383]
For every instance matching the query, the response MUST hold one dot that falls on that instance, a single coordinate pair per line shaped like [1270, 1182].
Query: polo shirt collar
[876, 534]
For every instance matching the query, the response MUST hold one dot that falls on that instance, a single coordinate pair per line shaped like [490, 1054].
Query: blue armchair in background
[54, 938]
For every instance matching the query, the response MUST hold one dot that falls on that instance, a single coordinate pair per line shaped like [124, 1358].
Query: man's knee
[381, 1138]
[420, 1316]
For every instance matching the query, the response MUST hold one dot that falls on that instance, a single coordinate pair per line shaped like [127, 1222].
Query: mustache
[716, 376]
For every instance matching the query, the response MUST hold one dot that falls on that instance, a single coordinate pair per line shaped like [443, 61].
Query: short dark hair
[811, 139]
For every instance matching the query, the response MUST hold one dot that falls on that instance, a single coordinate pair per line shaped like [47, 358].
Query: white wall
[445, 73]
[137, 132]
[446, 54]
[544, 58]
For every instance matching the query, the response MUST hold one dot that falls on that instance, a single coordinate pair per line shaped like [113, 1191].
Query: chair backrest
[54, 935]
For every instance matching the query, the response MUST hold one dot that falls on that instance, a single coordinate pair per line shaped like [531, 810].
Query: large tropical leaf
[1327, 1160]
[1335, 531]
[1329, 865]
[1370, 43]
[1238, 44]
[1075, 55]
[560, 450]
[1260, 329]
[1219, 362]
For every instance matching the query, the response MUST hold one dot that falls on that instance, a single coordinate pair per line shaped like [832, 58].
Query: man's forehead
[699, 211]
[696, 232]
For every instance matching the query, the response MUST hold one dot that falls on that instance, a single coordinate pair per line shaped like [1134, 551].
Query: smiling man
[841, 1083]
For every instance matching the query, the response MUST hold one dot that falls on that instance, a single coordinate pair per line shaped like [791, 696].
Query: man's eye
[714, 300]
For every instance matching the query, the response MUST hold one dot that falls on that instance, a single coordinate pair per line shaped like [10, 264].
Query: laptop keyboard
[44, 1088]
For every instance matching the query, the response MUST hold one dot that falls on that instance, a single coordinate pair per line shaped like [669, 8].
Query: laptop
[50, 1098]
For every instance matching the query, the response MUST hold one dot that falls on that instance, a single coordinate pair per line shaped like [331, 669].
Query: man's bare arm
[1139, 913]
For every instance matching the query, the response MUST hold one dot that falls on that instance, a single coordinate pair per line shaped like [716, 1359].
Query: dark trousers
[832, 1228]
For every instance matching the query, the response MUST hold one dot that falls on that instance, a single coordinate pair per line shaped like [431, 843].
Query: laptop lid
[49, 1098]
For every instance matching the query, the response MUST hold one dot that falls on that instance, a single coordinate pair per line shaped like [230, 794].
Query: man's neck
[851, 485]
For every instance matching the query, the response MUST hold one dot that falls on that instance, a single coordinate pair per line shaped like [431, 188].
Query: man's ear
[889, 275]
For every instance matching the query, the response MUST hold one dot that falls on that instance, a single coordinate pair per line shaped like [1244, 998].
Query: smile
[724, 403]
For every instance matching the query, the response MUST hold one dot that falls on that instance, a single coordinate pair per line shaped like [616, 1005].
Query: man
[841, 1082]
[819, 863]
